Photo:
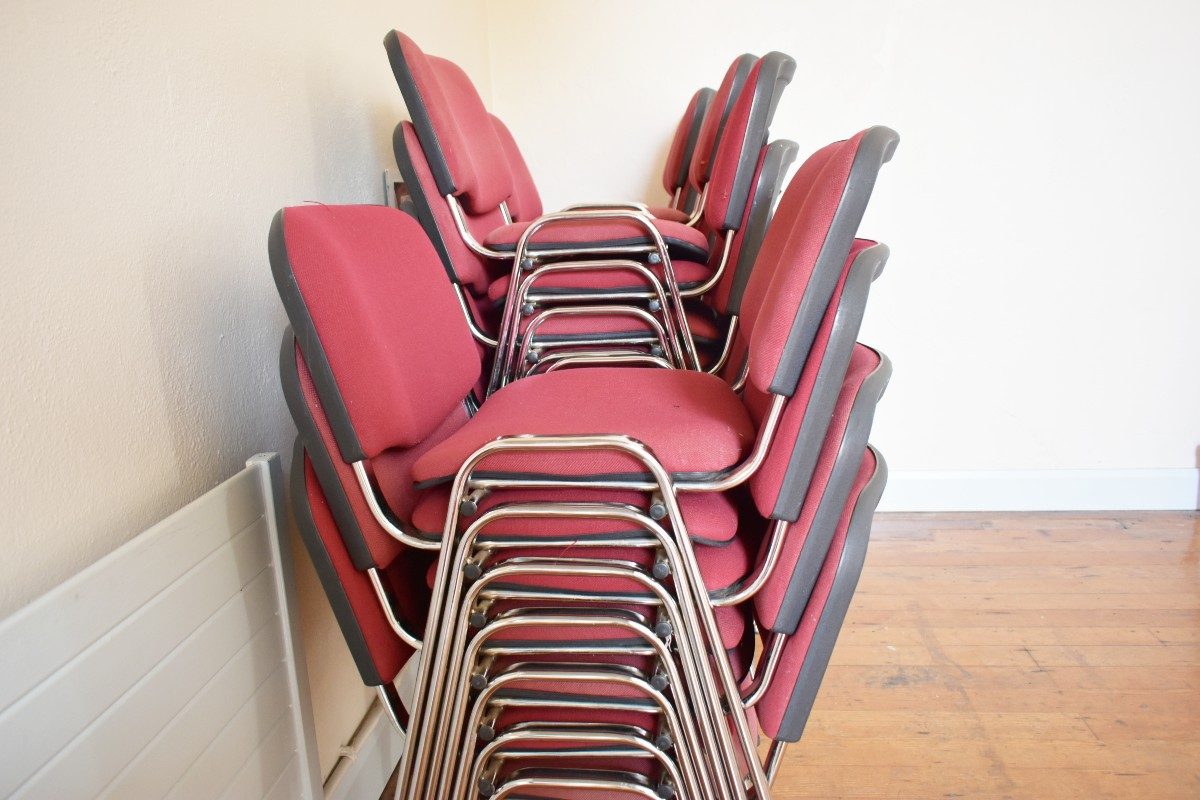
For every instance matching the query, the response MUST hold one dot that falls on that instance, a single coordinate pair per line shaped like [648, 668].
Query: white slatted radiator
[170, 668]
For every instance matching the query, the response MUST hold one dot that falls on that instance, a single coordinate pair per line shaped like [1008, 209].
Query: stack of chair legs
[581, 555]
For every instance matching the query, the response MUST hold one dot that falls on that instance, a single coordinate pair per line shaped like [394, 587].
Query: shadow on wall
[215, 325]
[351, 139]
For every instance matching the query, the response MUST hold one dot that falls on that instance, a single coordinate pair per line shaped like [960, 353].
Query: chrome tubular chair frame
[685, 622]
[670, 715]
[603, 744]
[523, 256]
[665, 341]
[430, 685]
[654, 593]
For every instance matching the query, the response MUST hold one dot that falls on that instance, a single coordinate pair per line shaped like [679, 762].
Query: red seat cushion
[682, 242]
[721, 566]
[710, 516]
[687, 275]
[692, 422]
[668, 213]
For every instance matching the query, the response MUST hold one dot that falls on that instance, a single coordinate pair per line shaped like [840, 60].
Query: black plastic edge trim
[327, 476]
[302, 516]
[781, 154]
[776, 73]
[676, 248]
[874, 150]
[420, 115]
[420, 203]
[744, 63]
[310, 344]
[829, 625]
[833, 499]
[704, 98]
[834, 363]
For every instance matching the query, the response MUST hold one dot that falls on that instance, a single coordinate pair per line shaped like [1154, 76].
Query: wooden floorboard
[1014, 656]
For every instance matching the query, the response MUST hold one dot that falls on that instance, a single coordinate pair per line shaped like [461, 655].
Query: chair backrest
[378, 652]
[379, 327]
[739, 148]
[683, 144]
[462, 264]
[802, 257]
[784, 709]
[781, 483]
[780, 602]
[525, 204]
[773, 164]
[714, 119]
[465, 154]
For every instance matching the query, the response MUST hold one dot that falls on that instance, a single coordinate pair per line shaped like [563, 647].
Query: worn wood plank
[1014, 656]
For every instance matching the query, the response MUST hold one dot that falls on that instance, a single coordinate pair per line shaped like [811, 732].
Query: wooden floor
[1014, 656]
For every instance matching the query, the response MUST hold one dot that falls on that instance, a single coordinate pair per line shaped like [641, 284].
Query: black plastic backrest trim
[310, 344]
[776, 73]
[875, 149]
[845, 581]
[781, 154]
[356, 640]
[846, 324]
[323, 466]
[833, 499]
[421, 203]
[745, 62]
[420, 115]
[703, 100]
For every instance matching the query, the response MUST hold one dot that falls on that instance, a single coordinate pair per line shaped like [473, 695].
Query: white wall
[1041, 302]
[144, 147]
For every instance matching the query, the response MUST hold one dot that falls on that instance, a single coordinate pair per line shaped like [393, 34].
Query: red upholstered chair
[379, 650]
[393, 386]
[742, 177]
[789, 696]
[679, 160]
[449, 131]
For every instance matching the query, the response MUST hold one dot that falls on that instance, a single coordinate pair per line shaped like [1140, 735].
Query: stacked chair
[594, 485]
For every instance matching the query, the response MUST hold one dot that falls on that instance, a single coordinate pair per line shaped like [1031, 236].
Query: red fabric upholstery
[470, 269]
[675, 170]
[714, 120]
[726, 156]
[693, 422]
[718, 296]
[773, 705]
[710, 516]
[525, 203]
[392, 469]
[682, 242]
[460, 128]
[387, 651]
[687, 273]
[383, 548]
[668, 213]
[765, 483]
[792, 246]
[386, 318]
[769, 599]
[720, 567]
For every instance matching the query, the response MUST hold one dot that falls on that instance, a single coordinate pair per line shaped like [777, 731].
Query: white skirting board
[1044, 490]
[169, 668]
[376, 750]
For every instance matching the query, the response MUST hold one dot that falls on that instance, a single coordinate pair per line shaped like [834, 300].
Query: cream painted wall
[1041, 302]
[144, 147]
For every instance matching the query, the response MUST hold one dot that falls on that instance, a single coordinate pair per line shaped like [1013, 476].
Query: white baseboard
[376, 749]
[1044, 490]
